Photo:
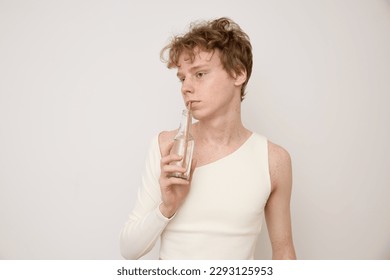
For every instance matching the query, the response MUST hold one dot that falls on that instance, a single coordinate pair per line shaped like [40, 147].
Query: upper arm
[277, 210]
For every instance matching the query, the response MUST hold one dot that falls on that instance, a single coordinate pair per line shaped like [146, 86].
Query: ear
[240, 78]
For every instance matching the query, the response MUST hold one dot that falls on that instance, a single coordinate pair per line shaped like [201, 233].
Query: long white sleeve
[145, 223]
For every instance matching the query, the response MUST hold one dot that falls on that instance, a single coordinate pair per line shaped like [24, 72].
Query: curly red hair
[222, 34]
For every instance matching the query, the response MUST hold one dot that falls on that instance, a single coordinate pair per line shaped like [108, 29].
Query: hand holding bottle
[177, 167]
[184, 145]
[174, 190]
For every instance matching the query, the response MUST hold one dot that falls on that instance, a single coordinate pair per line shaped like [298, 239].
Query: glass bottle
[183, 145]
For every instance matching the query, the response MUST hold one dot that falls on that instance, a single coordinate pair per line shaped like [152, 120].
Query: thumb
[167, 149]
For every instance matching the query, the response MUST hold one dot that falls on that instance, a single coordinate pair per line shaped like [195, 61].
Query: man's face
[206, 84]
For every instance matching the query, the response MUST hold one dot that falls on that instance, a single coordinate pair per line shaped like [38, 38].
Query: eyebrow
[193, 69]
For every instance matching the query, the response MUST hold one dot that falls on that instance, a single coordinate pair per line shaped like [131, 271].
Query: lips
[193, 102]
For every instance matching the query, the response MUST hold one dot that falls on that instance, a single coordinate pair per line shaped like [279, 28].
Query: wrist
[166, 211]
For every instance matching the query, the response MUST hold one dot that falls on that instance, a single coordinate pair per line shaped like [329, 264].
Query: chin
[200, 117]
[197, 115]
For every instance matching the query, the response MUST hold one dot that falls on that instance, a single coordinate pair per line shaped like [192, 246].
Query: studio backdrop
[83, 92]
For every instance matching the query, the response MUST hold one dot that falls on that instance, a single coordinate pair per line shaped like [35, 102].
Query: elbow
[130, 247]
[126, 249]
[126, 254]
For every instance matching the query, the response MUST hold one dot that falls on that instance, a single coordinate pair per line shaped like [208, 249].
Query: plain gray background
[82, 93]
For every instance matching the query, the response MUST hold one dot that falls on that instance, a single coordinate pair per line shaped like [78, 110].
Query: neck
[222, 130]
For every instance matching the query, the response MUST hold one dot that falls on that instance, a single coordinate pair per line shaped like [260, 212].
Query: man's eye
[181, 80]
[200, 74]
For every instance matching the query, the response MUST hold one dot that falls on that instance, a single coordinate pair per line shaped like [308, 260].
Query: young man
[237, 175]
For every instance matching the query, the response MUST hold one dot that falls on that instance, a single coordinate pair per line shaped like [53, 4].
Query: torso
[222, 215]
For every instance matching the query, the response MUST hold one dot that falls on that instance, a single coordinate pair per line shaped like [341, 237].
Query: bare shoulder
[165, 139]
[280, 169]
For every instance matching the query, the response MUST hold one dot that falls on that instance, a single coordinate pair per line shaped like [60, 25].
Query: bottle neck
[185, 124]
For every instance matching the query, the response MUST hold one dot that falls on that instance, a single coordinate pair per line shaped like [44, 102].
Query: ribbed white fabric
[221, 217]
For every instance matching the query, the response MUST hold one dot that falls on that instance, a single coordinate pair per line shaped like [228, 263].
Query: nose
[187, 87]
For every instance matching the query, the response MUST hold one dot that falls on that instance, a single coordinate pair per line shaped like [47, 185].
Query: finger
[170, 168]
[170, 158]
[175, 181]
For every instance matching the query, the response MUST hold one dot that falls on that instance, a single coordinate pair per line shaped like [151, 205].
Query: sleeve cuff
[161, 216]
